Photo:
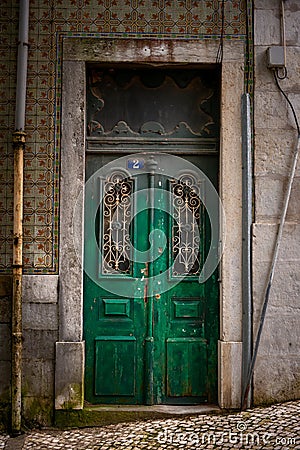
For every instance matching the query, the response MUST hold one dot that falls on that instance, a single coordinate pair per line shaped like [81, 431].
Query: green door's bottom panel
[186, 367]
[115, 365]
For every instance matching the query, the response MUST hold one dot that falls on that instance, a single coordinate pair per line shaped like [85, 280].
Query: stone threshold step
[99, 415]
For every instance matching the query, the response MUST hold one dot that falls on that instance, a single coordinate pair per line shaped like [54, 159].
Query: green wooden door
[150, 327]
[186, 314]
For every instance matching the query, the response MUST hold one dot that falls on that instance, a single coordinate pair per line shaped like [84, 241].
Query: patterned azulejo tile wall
[50, 22]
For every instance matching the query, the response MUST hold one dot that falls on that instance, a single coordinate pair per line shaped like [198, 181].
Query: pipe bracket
[19, 139]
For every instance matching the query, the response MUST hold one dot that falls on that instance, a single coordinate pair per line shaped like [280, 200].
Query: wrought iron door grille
[186, 226]
[115, 233]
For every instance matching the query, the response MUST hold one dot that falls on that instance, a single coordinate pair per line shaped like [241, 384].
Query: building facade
[183, 79]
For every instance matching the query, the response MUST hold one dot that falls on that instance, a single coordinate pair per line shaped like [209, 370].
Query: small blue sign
[135, 164]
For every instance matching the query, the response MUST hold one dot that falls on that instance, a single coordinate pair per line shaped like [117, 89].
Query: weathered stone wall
[5, 337]
[40, 332]
[277, 373]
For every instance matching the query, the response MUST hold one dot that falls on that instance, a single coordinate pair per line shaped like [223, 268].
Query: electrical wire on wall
[219, 57]
[277, 78]
[282, 76]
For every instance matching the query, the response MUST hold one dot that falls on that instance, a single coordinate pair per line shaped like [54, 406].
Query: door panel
[186, 367]
[114, 326]
[115, 370]
[186, 315]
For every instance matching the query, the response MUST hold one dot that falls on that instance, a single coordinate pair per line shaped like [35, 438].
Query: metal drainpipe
[246, 249]
[19, 138]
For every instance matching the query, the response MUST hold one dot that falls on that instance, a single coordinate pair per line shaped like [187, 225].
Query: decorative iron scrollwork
[151, 103]
[117, 214]
[186, 226]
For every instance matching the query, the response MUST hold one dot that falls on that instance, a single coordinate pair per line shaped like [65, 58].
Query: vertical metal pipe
[283, 40]
[16, 363]
[19, 145]
[246, 239]
[22, 65]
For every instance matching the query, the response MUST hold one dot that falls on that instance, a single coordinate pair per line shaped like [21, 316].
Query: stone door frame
[77, 52]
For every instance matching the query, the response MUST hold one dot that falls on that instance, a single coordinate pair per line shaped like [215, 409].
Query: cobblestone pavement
[275, 427]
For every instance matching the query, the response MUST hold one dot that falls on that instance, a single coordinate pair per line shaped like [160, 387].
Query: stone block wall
[277, 372]
[5, 337]
[40, 333]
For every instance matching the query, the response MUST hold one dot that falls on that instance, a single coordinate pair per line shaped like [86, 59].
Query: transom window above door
[132, 103]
